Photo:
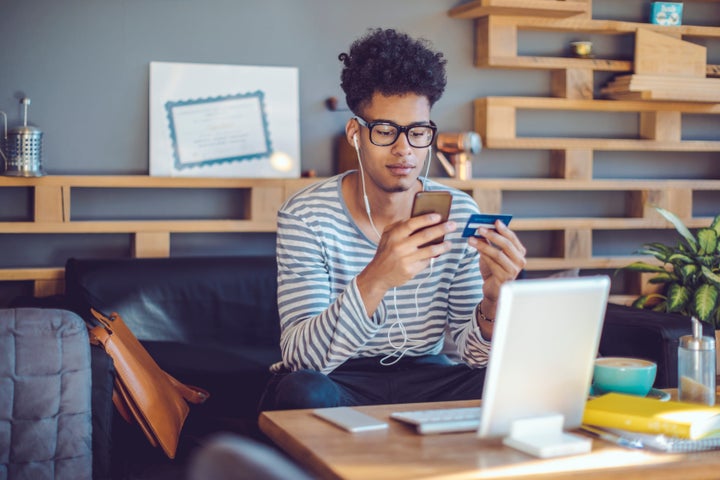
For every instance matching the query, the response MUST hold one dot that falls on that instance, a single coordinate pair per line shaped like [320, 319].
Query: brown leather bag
[143, 391]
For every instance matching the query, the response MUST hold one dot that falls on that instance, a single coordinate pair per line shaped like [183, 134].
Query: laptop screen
[545, 341]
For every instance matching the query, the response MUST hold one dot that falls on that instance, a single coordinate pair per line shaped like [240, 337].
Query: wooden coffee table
[400, 453]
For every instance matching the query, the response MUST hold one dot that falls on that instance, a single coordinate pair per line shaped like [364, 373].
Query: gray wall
[85, 63]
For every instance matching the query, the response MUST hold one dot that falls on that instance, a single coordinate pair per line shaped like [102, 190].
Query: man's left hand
[502, 258]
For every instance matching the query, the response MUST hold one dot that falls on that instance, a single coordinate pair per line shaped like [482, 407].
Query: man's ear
[352, 130]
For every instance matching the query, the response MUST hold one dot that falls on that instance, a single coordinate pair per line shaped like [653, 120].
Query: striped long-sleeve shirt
[320, 251]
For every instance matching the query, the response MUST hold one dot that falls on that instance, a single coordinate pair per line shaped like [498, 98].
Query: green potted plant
[689, 274]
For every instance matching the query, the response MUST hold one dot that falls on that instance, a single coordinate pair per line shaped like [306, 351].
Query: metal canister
[462, 142]
[459, 147]
[22, 149]
[696, 367]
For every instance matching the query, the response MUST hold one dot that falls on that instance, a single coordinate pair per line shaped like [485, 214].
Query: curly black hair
[391, 63]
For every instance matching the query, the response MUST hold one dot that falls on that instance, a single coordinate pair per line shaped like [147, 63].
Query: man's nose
[402, 144]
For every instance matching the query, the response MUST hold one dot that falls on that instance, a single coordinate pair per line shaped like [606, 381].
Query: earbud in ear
[355, 141]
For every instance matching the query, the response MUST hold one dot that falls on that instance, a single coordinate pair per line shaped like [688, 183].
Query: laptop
[545, 342]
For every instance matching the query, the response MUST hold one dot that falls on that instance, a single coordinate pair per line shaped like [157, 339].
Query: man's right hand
[399, 257]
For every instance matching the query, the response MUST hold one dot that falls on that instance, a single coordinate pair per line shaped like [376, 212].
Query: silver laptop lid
[545, 341]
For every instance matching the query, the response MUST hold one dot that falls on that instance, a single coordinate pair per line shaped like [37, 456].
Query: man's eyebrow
[425, 123]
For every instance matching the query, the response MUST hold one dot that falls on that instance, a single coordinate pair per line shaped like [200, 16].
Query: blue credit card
[486, 220]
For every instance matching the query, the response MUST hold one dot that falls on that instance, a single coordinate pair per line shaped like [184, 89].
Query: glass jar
[696, 369]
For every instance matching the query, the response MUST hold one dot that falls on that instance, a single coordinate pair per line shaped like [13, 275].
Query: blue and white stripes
[320, 251]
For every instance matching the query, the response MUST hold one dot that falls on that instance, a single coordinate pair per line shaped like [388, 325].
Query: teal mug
[633, 376]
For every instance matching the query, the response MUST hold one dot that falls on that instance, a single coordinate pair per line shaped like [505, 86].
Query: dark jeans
[365, 381]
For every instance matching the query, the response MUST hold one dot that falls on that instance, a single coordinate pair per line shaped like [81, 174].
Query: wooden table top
[400, 453]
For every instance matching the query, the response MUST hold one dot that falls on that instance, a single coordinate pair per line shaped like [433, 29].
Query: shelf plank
[145, 181]
[543, 8]
[659, 54]
[295, 184]
[57, 273]
[594, 263]
[602, 27]
[148, 228]
[548, 103]
[25, 274]
[630, 145]
[141, 226]
[45, 288]
[496, 41]
[151, 244]
[152, 237]
[503, 135]
[49, 204]
[549, 63]
[537, 184]
[622, 299]
[595, 224]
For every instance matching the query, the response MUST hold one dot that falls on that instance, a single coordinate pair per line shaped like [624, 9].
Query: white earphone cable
[362, 180]
[400, 350]
[391, 358]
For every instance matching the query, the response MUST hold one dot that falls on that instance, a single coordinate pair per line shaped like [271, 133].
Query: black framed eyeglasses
[384, 133]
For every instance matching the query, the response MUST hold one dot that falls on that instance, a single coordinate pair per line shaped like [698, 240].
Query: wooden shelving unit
[53, 213]
[542, 8]
[498, 22]
[497, 27]
[660, 124]
[52, 199]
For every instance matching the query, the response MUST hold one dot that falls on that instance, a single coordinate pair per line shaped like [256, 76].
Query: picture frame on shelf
[209, 120]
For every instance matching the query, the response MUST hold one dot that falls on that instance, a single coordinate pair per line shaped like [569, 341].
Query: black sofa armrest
[631, 332]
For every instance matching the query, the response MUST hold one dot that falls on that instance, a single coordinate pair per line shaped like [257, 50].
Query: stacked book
[662, 87]
[641, 422]
[666, 69]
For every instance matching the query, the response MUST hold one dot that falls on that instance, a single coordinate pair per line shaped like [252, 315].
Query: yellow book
[650, 415]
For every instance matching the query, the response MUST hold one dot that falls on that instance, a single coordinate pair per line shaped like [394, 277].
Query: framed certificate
[223, 120]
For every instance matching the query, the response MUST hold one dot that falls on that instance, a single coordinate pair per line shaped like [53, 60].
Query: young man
[364, 305]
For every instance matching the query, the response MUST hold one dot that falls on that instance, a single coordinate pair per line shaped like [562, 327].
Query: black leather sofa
[213, 322]
[210, 322]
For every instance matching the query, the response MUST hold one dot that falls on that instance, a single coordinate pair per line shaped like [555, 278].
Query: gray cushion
[45, 380]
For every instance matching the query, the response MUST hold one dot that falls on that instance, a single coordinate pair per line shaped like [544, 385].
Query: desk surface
[400, 453]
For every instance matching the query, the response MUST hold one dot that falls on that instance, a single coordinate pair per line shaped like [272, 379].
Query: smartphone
[432, 202]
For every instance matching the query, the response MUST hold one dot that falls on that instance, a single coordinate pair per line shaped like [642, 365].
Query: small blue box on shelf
[666, 13]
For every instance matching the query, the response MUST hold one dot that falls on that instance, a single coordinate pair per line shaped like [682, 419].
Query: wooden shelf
[139, 226]
[542, 8]
[601, 27]
[496, 41]
[498, 24]
[659, 129]
[529, 8]
[571, 237]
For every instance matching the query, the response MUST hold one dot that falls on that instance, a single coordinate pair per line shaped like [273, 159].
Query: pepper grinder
[696, 367]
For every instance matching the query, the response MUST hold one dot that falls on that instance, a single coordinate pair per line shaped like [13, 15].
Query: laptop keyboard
[444, 420]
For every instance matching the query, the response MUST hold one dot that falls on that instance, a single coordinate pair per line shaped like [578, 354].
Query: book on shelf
[650, 415]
